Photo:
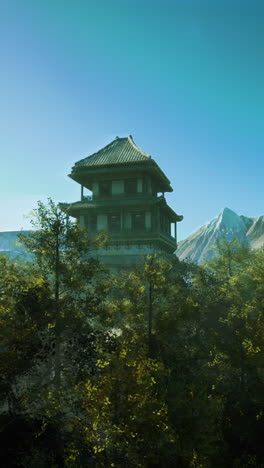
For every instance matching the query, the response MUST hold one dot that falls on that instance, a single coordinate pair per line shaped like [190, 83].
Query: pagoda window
[147, 186]
[105, 188]
[131, 186]
[138, 220]
[114, 222]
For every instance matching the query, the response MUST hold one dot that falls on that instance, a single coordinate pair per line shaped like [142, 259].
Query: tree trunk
[57, 378]
[150, 313]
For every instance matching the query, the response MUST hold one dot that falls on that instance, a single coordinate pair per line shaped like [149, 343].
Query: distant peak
[230, 219]
[227, 210]
[227, 213]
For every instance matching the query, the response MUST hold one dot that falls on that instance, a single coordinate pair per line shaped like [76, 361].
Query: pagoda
[126, 201]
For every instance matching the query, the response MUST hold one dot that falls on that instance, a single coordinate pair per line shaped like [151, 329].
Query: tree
[229, 256]
[62, 252]
[23, 304]
[180, 349]
[159, 366]
[237, 357]
[49, 311]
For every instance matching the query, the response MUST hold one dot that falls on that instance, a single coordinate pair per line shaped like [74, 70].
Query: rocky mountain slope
[229, 225]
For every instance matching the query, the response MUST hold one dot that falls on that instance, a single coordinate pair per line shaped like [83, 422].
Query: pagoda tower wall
[126, 203]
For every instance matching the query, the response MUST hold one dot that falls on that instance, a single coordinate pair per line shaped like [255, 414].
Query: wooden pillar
[122, 220]
[158, 219]
[82, 221]
[175, 230]
[81, 192]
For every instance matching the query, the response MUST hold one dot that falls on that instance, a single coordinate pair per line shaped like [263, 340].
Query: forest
[159, 366]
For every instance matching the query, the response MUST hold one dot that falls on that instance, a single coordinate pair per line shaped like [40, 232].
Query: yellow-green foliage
[159, 367]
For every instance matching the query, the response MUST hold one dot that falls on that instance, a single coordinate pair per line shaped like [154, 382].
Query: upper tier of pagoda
[120, 154]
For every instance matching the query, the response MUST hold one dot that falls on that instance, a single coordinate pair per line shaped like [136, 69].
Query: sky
[183, 77]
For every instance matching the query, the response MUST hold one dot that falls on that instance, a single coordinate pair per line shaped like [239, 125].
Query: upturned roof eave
[80, 171]
[101, 167]
[112, 203]
[80, 205]
[121, 153]
[174, 215]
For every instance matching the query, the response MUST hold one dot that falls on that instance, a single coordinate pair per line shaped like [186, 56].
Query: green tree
[159, 366]
[62, 252]
[179, 346]
[23, 303]
[229, 257]
[50, 314]
[237, 354]
[123, 417]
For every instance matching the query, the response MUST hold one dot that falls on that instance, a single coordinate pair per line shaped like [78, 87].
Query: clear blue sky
[184, 77]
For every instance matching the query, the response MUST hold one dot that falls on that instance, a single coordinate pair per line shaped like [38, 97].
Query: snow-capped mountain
[197, 247]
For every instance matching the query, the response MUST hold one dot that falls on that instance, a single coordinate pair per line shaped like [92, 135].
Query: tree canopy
[157, 366]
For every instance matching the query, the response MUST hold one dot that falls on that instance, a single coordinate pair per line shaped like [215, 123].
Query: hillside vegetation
[161, 366]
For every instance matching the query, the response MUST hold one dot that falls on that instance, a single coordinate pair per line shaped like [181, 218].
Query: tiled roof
[119, 151]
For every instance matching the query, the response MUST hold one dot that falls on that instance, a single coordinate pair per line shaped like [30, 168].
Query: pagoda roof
[119, 151]
[120, 154]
